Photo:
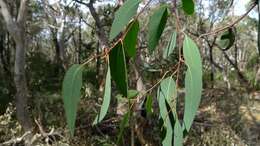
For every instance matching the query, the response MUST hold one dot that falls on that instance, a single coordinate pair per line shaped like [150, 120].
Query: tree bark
[17, 31]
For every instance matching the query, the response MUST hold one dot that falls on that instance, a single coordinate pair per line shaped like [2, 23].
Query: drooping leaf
[122, 17]
[132, 93]
[118, 68]
[71, 87]
[193, 81]
[131, 39]
[167, 141]
[227, 39]
[168, 90]
[188, 6]
[106, 99]
[178, 134]
[123, 124]
[171, 46]
[149, 104]
[156, 26]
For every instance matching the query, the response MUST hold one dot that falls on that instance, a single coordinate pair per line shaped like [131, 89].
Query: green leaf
[123, 124]
[193, 81]
[122, 17]
[188, 6]
[106, 99]
[168, 91]
[227, 39]
[71, 94]
[131, 39]
[132, 93]
[156, 26]
[149, 104]
[118, 68]
[178, 134]
[171, 46]
[167, 141]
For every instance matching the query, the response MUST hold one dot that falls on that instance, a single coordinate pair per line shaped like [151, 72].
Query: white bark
[17, 30]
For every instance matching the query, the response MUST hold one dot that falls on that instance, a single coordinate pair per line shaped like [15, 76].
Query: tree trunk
[17, 31]
[21, 96]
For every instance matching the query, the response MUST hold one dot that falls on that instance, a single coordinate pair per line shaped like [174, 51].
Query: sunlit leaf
[118, 68]
[156, 26]
[188, 6]
[193, 81]
[171, 46]
[71, 94]
[122, 17]
[106, 99]
[131, 39]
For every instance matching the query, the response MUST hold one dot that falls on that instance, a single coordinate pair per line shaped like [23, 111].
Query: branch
[22, 11]
[214, 32]
[10, 23]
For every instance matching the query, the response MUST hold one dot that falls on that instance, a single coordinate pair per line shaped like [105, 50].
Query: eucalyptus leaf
[178, 134]
[156, 26]
[188, 6]
[193, 81]
[171, 46]
[130, 39]
[123, 16]
[118, 68]
[106, 99]
[71, 87]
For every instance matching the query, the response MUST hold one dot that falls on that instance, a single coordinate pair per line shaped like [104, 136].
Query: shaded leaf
[168, 90]
[149, 104]
[131, 39]
[188, 6]
[118, 68]
[193, 81]
[178, 134]
[132, 93]
[156, 26]
[167, 141]
[123, 124]
[122, 17]
[227, 39]
[171, 46]
[71, 87]
[106, 99]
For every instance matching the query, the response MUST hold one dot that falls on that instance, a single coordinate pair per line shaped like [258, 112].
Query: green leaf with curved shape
[122, 17]
[227, 39]
[178, 134]
[106, 99]
[149, 104]
[71, 87]
[131, 39]
[171, 46]
[188, 6]
[118, 68]
[167, 141]
[193, 81]
[156, 26]
[132, 93]
[123, 124]
[168, 91]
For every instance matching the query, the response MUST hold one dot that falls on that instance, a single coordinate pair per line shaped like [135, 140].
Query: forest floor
[225, 118]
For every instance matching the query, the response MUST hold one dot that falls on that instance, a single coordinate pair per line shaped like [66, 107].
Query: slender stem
[214, 32]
